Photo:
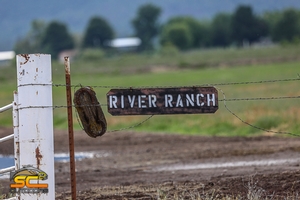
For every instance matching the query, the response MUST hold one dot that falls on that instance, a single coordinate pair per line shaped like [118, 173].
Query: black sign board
[158, 101]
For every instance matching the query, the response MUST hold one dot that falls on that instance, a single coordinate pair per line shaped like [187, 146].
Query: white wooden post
[35, 113]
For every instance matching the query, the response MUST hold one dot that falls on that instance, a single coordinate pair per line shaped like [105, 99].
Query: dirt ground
[129, 165]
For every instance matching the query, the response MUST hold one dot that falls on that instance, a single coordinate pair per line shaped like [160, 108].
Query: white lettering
[168, 100]
[198, 99]
[122, 101]
[131, 100]
[209, 99]
[141, 102]
[113, 101]
[179, 101]
[190, 100]
[152, 100]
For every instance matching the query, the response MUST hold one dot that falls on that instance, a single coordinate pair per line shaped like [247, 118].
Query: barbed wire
[261, 98]
[251, 125]
[132, 126]
[224, 100]
[183, 86]
[254, 82]
[214, 85]
[220, 100]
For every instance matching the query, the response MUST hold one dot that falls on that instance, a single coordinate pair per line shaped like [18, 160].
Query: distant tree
[206, 34]
[221, 30]
[31, 43]
[177, 34]
[197, 30]
[146, 25]
[272, 18]
[288, 26]
[98, 33]
[262, 28]
[56, 39]
[246, 26]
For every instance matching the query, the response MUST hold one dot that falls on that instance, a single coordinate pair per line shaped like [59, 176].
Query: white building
[125, 44]
[6, 57]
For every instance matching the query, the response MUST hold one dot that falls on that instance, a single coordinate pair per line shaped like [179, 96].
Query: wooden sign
[158, 101]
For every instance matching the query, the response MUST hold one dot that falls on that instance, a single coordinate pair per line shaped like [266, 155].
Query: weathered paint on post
[35, 118]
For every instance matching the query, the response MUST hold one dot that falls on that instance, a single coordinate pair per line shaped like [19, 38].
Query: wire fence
[216, 85]
[182, 86]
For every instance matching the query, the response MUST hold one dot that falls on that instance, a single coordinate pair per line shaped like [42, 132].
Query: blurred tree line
[241, 27]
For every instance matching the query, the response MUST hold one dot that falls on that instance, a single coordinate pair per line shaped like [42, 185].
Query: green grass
[138, 70]
[114, 64]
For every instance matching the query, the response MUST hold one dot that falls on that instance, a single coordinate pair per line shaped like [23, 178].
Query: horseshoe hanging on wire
[90, 112]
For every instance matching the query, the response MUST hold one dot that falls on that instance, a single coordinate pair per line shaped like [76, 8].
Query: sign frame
[160, 101]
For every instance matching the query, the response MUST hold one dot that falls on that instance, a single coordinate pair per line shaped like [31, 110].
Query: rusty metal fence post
[35, 119]
[70, 127]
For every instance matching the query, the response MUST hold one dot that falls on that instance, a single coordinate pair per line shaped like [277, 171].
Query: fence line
[261, 98]
[5, 108]
[6, 138]
[9, 137]
[7, 170]
[183, 86]
[224, 100]
[247, 123]
[38, 67]
[220, 100]
[201, 85]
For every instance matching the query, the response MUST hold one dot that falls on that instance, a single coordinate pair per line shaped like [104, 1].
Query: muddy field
[128, 165]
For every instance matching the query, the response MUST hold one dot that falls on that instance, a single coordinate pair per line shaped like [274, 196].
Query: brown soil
[129, 165]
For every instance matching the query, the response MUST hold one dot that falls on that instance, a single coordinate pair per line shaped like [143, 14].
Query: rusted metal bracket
[90, 112]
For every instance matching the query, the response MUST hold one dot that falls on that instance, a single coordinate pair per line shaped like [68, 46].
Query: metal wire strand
[214, 85]
[247, 123]
[261, 98]
[201, 85]
[132, 126]
[220, 100]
